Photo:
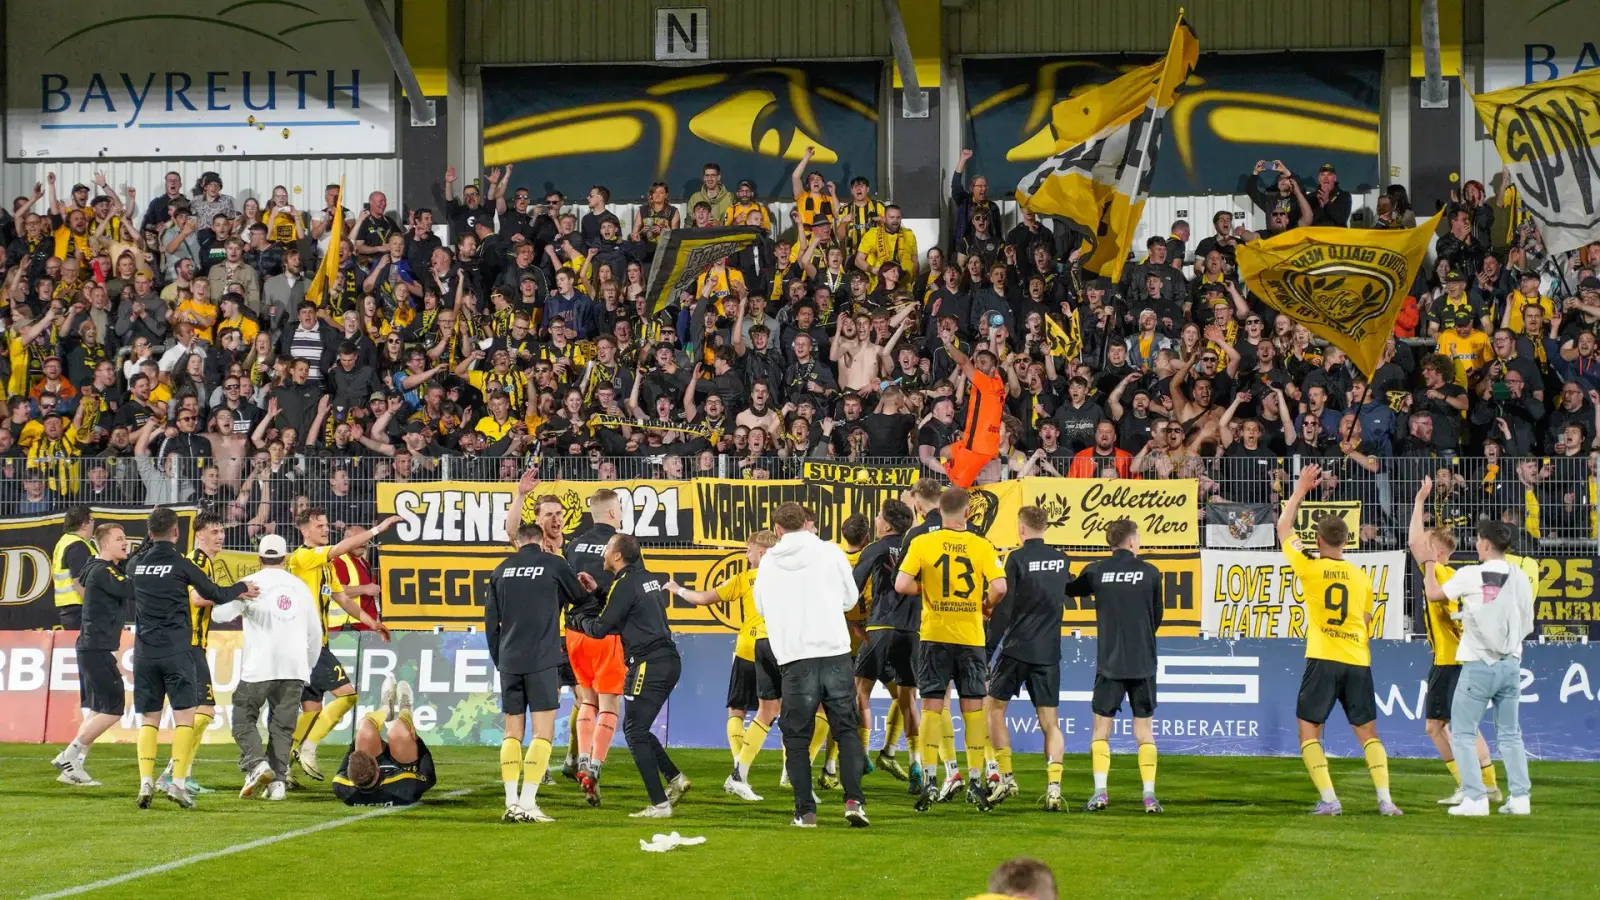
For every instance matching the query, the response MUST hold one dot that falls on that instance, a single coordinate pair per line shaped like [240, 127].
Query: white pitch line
[236, 848]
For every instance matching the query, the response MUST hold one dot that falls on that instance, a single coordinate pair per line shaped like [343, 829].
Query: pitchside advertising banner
[1214, 697]
[1255, 594]
[258, 79]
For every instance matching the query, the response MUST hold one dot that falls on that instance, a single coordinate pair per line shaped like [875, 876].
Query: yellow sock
[328, 719]
[201, 721]
[148, 737]
[572, 733]
[833, 755]
[182, 751]
[1147, 766]
[929, 739]
[914, 747]
[865, 734]
[1489, 780]
[1317, 764]
[977, 726]
[1377, 763]
[818, 735]
[755, 734]
[735, 736]
[893, 728]
[1100, 762]
[404, 718]
[1002, 758]
[1052, 771]
[947, 736]
[536, 763]
[510, 760]
[1455, 771]
[302, 727]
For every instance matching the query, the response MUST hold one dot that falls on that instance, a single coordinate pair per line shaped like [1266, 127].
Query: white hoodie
[1496, 610]
[802, 589]
[282, 631]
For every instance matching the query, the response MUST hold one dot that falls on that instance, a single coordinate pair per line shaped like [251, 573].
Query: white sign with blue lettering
[164, 79]
[1525, 43]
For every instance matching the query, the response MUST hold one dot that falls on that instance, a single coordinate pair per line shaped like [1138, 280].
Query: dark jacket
[522, 610]
[636, 608]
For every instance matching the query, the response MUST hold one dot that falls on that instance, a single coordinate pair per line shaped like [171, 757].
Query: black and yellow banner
[684, 254]
[1309, 514]
[456, 513]
[627, 127]
[1080, 509]
[1098, 171]
[1180, 593]
[1548, 138]
[1346, 285]
[27, 594]
[1305, 109]
[729, 511]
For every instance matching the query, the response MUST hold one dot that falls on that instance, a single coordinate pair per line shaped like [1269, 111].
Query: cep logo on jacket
[153, 571]
[1047, 565]
[524, 572]
[1121, 577]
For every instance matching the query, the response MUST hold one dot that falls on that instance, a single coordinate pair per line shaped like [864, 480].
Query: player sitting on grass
[393, 769]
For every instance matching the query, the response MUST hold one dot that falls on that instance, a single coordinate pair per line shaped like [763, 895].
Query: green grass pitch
[1234, 828]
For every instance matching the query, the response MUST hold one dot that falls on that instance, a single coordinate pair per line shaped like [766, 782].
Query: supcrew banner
[1080, 509]
[1251, 594]
[629, 126]
[684, 254]
[1344, 284]
[848, 490]
[1305, 109]
[1548, 140]
[1106, 142]
[27, 597]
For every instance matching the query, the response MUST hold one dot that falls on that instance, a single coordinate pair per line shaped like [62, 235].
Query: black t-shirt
[878, 565]
[1246, 473]
[1036, 580]
[937, 435]
[887, 433]
[1077, 424]
[1133, 432]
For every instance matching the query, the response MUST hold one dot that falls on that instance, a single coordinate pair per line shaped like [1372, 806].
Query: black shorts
[1441, 691]
[203, 692]
[888, 656]
[71, 617]
[327, 676]
[536, 691]
[1043, 681]
[938, 664]
[399, 784]
[564, 674]
[1108, 693]
[100, 682]
[742, 684]
[769, 681]
[1327, 682]
[169, 678]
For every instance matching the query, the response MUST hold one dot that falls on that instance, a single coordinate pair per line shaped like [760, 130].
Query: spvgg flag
[1239, 525]
[328, 272]
[1547, 136]
[1064, 342]
[1344, 284]
[683, 254]
[1106, 143]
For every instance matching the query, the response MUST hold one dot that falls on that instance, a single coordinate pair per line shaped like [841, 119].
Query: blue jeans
[1482, 683]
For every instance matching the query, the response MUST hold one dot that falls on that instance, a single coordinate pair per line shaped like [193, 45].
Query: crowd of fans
[167, 350]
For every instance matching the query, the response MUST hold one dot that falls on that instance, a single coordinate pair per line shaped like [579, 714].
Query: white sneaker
[534, 814]
[403, 697]
[308, 760]
[740, 789]
[75, 775]
[1470, 807]
[259, 777]
[386, 697]
[65, 758]
[657, 811]
[1516, 806]
[1453, 799]
[275, 791]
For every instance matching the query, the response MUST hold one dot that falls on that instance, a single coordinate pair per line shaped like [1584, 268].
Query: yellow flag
[328, 272]
[1106, 143]
[1347, 285]
[1062, 342]
[1547, 135]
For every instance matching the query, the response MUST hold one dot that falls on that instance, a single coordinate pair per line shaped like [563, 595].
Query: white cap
[273, 547]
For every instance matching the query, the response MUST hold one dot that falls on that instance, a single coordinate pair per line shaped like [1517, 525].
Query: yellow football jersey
[862, 610]
[740, 589]
[1338, 599]
[310, 565]
[200, 616]
[1443, 631]
[955, 568]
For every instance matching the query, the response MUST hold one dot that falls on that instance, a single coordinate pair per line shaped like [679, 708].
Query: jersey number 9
[1337, 599]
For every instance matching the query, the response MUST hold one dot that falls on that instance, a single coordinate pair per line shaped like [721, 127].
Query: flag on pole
[1346, 285]
[328, 271]
[1106, 143]
[1547, 136]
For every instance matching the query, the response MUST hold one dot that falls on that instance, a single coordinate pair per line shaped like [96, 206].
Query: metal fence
[1552, 499]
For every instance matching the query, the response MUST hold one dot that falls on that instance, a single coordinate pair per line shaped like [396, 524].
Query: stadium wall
[1216, 698]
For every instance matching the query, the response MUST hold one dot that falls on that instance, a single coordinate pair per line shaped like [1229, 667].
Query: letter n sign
[682, 33]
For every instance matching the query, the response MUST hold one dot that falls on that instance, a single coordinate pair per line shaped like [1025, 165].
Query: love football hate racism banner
[1255, 594]
[628, 127]
[1214, 697]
